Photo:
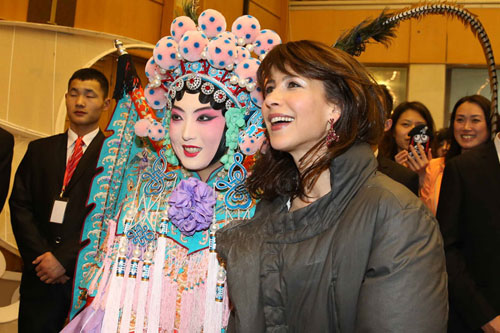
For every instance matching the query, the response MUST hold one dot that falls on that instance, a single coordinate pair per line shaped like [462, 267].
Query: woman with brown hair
[334, 245]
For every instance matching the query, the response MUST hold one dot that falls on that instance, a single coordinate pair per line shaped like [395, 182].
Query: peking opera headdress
[216, 63]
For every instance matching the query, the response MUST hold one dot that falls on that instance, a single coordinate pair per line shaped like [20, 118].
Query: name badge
[58, 210]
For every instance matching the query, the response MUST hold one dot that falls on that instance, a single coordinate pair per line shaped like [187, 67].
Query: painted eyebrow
[197, 110]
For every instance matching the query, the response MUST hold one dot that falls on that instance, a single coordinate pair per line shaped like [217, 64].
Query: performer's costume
[150, 263]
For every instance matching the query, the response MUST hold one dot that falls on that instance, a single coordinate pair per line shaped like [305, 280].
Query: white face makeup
[196, 131]
[296, 112]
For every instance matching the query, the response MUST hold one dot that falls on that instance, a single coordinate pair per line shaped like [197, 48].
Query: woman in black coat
[334, 246]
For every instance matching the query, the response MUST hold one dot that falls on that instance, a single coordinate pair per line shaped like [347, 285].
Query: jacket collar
[348, 172]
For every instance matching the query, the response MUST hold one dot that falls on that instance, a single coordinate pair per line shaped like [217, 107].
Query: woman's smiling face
[195, 132]
[296, 112]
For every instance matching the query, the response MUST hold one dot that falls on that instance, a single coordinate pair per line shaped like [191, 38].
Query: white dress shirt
[87, 139]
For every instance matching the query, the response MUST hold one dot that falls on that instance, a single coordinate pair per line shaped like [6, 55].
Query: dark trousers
[43, 307]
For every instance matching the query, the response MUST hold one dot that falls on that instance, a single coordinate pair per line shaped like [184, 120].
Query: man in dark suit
[48, 204]
[394, 170]
[469, 217]
[6, 151]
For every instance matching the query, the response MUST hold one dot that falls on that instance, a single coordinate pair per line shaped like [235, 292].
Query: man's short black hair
[86, 74]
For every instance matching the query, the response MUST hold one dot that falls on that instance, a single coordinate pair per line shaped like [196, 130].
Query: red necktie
[73, 161]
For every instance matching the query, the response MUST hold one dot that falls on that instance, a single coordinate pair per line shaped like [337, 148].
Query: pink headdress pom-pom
[156, 132]
[155, 97]
[246, 28]
[212, 22]
[165, 53]
[141, 127]
[153, 72]
[180, 25]
[247, 70]
[192, 44]
[265, 41]
[242, 54]
[257, 97]
[221, 53]
[228, 35]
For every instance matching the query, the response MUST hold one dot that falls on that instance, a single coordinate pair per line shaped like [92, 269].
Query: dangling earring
[331, 136]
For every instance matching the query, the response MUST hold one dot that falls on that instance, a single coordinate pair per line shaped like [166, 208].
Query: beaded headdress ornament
[214, 62]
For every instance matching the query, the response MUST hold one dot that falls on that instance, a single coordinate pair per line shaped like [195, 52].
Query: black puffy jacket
[366, 257]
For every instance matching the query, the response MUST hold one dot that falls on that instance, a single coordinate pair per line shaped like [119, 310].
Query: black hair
[87, 74]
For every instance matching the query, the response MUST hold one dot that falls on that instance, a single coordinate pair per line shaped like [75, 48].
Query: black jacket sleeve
[6, 152]
[26, 228]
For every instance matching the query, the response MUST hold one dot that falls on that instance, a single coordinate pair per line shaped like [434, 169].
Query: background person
[469, 218]
[470, 124]
[386, 165]
[333, 245]
[54, 179]
[441, 142]
[395, 144]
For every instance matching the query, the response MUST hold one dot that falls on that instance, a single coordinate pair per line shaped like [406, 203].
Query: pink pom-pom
[247, 69]
[228, 35]
[243, 54]
[165, 52]
[265, 41]
[153, 71]
[250, 144]
[221, 52]
[192, 44]
[212, 22]
[180, 25]
[156, 131]
[141, 127]
[155, 97]
[246, 27]
[257, 97]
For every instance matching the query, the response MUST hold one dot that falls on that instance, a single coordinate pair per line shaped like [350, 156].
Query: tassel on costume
[143, 290]
[112, 308]
[130, 291]
[159, 261]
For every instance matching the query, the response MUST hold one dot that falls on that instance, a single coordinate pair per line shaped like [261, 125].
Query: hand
[493, 326]
[418, 163]
[402, 158]
[61, 280]
[48, 268]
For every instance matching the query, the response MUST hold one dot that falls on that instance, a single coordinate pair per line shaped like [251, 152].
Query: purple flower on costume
[191, 206]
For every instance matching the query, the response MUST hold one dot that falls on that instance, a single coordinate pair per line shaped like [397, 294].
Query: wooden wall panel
[272, 14]
[6, 45]
[428, 40]
[273, 6]
[14, 10]
[327, 25]
[138, 19]
[463, 47]
[267, 20]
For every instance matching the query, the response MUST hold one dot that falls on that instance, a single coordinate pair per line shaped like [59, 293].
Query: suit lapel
[86, 161]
